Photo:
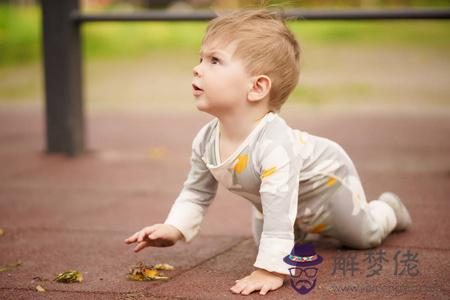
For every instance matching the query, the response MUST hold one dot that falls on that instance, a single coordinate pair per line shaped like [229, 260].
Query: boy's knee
[299, 234]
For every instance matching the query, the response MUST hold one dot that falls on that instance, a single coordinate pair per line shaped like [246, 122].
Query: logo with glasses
[303, 274]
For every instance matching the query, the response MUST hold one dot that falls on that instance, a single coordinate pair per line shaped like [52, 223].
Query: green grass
[419, 33]
[130, 39]
[20, 33]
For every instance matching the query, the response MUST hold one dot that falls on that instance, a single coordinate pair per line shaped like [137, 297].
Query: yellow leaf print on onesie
[268, 172]
[331, 181]
[323, 169]
[275, 172]
[319, 228]
[302, 139]
[241, 163]
[306, 147]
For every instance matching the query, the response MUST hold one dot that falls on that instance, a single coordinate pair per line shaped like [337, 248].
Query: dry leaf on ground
[40, 288]
[69, 277]
[10, 266]
[164, 267]
[157, 153]
[142, 272]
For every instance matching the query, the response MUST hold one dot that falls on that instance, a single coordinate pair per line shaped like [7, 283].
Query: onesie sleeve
[279, 173]
[199, 189]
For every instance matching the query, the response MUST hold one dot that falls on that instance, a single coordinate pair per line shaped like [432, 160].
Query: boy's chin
[202, 106]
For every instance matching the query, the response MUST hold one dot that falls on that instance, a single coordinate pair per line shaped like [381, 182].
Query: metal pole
[297, 14]
[63, 82]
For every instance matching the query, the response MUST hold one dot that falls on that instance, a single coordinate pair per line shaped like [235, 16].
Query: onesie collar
[215, 143]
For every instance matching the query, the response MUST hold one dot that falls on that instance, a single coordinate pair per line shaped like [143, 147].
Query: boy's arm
[280, 167]
[198, 191]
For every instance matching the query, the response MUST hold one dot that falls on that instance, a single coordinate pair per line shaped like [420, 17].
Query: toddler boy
[298, 183]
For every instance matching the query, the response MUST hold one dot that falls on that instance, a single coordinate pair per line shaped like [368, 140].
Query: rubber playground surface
[59, 213]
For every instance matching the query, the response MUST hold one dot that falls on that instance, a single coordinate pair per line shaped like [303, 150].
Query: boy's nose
[195, 71]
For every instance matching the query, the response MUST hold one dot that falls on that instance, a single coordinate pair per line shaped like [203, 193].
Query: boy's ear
[260, 88]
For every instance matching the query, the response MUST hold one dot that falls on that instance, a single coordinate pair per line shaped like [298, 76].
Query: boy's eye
[213, 59]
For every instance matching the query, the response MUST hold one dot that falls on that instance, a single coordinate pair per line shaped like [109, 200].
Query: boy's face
[223, 81]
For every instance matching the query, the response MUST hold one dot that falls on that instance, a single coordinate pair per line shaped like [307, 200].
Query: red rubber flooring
[61, 213]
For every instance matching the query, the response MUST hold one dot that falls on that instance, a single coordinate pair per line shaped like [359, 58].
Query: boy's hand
[258, 280]
[157, 235]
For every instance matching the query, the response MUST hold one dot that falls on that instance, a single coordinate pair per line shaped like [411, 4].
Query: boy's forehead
[206, 50]
[220, 47]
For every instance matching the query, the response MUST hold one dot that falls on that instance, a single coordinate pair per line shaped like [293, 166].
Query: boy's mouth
[196, 90]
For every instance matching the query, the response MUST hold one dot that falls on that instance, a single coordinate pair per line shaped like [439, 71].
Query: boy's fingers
[237, 289]
[152, 232]
[141, 236]
[248, 290]
[145, 231]
[142, 233]
[141, 246]
[153, 235]
[132, 238]
[264, 290]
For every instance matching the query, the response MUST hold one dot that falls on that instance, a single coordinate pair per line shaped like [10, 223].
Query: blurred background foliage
[171, 48]
[20, 29]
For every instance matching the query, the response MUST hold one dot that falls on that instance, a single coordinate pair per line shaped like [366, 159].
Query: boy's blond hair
[265, 45]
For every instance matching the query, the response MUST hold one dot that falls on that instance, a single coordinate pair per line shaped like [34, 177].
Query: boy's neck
[234, 128]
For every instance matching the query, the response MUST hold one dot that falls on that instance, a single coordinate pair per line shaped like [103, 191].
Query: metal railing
[62, 44]
[306, 14]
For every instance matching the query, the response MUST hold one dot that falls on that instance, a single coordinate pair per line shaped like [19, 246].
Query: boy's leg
[336, 206]
[356, 223]
[299, 234]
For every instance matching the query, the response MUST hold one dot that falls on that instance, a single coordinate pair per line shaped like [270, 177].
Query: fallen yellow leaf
[69, 277]
[164, 267]
[151, 272]
[157, 153]
[2, 231]
[142, 272]
[10, 266]
[40, 288]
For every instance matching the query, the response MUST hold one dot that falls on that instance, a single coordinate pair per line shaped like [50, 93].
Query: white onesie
[297, 183]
